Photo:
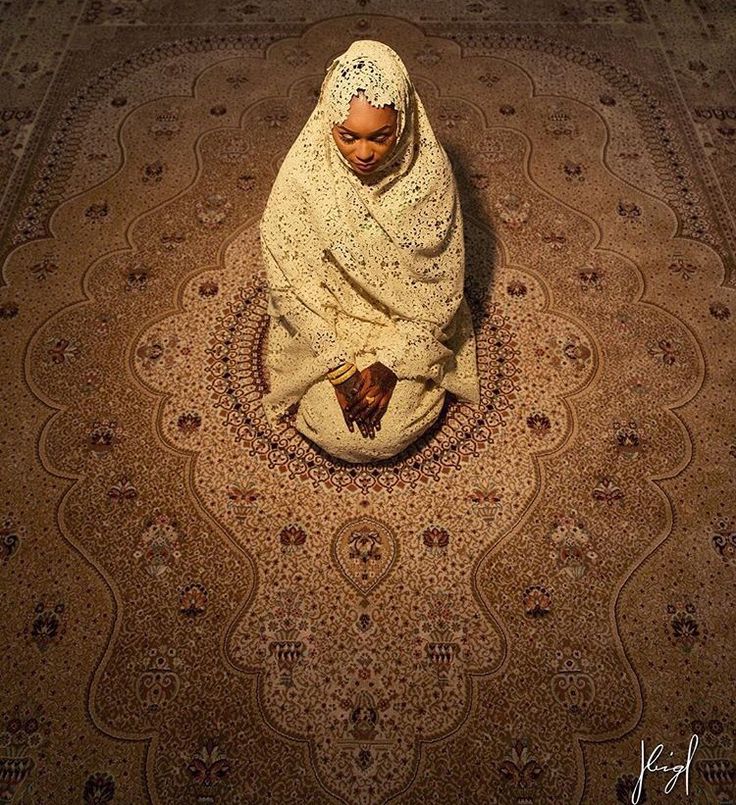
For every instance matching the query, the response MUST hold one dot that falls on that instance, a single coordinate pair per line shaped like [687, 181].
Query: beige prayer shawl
[366, 265]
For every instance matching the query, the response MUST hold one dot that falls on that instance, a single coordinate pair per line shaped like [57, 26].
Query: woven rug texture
[199, 609]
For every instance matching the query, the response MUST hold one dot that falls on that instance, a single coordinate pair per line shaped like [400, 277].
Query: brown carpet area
[197, 609]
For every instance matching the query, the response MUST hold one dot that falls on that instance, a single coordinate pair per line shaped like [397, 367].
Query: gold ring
[369, 399]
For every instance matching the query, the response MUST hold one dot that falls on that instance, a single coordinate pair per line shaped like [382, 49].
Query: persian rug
[198, 608]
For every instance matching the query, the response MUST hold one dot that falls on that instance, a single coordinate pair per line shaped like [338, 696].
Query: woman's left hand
[374, 393]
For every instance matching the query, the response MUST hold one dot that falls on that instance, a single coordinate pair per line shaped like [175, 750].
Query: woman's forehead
[364, 115]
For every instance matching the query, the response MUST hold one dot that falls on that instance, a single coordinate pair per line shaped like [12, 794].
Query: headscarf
[380, 255]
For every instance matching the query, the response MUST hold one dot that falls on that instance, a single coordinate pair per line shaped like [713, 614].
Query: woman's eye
[382, 139]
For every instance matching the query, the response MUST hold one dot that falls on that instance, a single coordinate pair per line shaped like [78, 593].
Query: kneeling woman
[362, 240]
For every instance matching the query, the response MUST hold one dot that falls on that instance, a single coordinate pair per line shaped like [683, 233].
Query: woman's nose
[364, 152]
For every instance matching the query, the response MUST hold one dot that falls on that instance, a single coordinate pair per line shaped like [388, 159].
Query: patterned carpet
[198, 609]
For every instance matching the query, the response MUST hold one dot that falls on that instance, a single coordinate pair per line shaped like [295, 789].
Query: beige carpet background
[199, 609]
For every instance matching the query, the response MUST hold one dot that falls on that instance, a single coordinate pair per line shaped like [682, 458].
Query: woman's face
[367, 135]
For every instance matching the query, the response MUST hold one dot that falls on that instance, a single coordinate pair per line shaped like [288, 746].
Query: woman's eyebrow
[387, 126]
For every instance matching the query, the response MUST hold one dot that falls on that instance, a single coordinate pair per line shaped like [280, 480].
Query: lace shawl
[372, 263]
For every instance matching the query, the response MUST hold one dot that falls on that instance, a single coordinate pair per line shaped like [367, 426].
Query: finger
[370, 421]
[371, 411]
[378, 413]
[369, 429]
[382, 412]
[366, 427]
[360, 424]
[348, 421]
[346, 415]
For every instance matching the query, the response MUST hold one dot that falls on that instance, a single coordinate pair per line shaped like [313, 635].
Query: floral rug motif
[499, 614]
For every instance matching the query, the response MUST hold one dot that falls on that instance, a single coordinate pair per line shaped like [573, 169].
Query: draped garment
[363, 268]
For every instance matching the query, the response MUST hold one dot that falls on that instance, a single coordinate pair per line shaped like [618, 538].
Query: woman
[362, 240]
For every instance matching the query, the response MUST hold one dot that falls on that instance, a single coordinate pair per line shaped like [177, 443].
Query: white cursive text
[648, 764]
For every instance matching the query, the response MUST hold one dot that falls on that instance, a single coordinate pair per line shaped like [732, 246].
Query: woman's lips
[365, 167]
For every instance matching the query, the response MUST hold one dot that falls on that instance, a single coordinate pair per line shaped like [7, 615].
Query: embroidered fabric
[366, 263]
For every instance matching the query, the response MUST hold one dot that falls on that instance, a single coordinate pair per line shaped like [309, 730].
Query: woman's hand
[372, 395]
[346, 393]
